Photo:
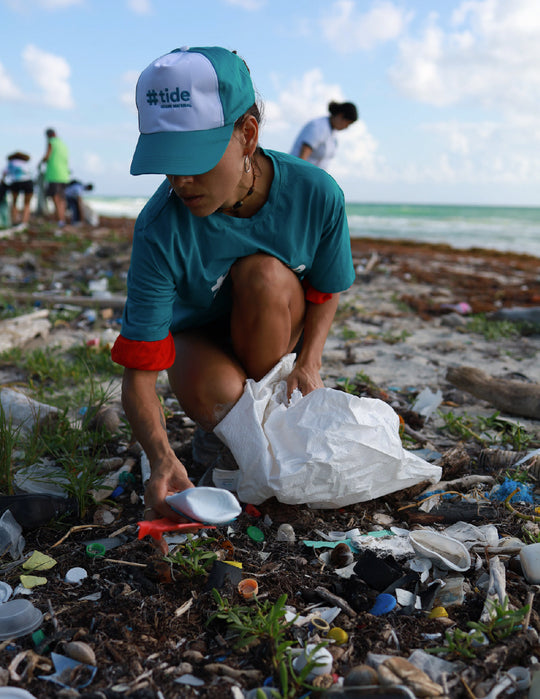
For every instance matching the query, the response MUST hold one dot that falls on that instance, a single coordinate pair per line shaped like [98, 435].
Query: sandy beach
[414, 313]
[406, 320]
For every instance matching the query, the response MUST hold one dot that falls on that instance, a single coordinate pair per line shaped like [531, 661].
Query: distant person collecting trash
[17, 177]
[317, 141]
[239, 253]
[74, 192]
[57, 173]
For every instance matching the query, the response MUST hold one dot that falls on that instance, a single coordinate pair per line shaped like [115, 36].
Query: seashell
[78, 650]
[285, 533]
[341, 556]
[445, 551]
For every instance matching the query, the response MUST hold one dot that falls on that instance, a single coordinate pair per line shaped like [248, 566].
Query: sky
[448, 91]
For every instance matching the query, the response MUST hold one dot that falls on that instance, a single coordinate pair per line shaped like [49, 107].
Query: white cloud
[140, 7]
[127, 96]
[349, 30]
[302, 99]
[9, 92]
[51, 73]
[477, 59]
[307, 97]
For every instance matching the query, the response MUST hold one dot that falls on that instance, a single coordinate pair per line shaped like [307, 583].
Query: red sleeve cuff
[314, 296]
[147, 356]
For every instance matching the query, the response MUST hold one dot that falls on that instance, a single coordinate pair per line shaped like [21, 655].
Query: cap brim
[180, 152]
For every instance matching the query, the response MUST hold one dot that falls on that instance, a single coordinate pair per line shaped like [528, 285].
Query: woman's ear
[250, 132]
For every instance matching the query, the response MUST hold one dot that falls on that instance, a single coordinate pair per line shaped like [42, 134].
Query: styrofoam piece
[445, 551]
[206, 504]
[529, 557]
[322, 657]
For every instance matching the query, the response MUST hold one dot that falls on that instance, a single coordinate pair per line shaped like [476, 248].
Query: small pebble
[360, 676]
[78, 650]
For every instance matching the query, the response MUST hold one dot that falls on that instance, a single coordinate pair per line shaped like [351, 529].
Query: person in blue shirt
[239, 253]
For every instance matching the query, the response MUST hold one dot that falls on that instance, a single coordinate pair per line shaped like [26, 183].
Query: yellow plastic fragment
[437, 612]
[30, 581]
[39, 561]
[340, 636]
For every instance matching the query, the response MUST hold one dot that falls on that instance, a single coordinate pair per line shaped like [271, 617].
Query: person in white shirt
[317, 142]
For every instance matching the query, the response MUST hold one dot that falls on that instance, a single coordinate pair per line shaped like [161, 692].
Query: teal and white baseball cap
[188, 102]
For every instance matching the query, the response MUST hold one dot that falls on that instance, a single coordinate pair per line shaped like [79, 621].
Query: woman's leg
[205, 378]
[14, 212]
[266, 323]
[268, 312]
[26, 209]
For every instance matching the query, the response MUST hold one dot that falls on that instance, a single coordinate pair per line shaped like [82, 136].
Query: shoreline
[363, 245]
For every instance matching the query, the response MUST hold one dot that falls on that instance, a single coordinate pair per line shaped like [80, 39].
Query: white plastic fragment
[445, 551]
[75, 575]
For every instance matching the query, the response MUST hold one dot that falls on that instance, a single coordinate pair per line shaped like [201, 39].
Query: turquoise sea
[515, 229]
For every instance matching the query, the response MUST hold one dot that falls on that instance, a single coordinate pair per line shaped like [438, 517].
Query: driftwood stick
[334, 599]
[112, 301]
[514, 397]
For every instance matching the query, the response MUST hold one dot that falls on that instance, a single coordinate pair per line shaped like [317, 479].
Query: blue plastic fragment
[119, 490]
[63, 667]
[384, 603]
[524, 491]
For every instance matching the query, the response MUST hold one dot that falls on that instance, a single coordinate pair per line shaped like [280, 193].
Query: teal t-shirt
[179, 272]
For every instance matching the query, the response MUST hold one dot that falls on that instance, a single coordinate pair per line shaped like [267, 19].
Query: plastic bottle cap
[248, 588]
[95, 549]
[255, 533]
[75, 575]
[320, 624]
[338, 635]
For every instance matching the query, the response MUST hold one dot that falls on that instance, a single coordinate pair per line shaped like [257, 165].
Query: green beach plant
[9, 439]
[491, 329]
[193, 559]
[487, 431]
[502, 622]
[265, 622]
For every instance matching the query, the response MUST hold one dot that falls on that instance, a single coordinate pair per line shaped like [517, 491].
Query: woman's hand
[168, 477]
[305, 378]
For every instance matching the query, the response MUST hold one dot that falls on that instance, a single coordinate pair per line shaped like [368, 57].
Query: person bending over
[238, 253]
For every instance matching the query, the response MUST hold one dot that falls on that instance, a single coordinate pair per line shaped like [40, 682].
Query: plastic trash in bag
[327, 449]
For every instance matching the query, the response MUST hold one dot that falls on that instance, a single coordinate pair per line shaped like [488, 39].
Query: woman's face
[220, 187]
[339, 123]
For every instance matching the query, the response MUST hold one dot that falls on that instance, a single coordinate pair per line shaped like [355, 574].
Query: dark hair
[255, 110]
[50, 133]
[19, 155]
[346, 109]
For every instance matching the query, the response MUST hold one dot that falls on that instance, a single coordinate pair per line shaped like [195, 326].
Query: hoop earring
[247, 164]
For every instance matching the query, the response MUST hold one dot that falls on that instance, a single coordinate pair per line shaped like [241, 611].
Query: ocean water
[515, 229]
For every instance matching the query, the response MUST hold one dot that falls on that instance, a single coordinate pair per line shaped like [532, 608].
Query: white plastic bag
[327, 449]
